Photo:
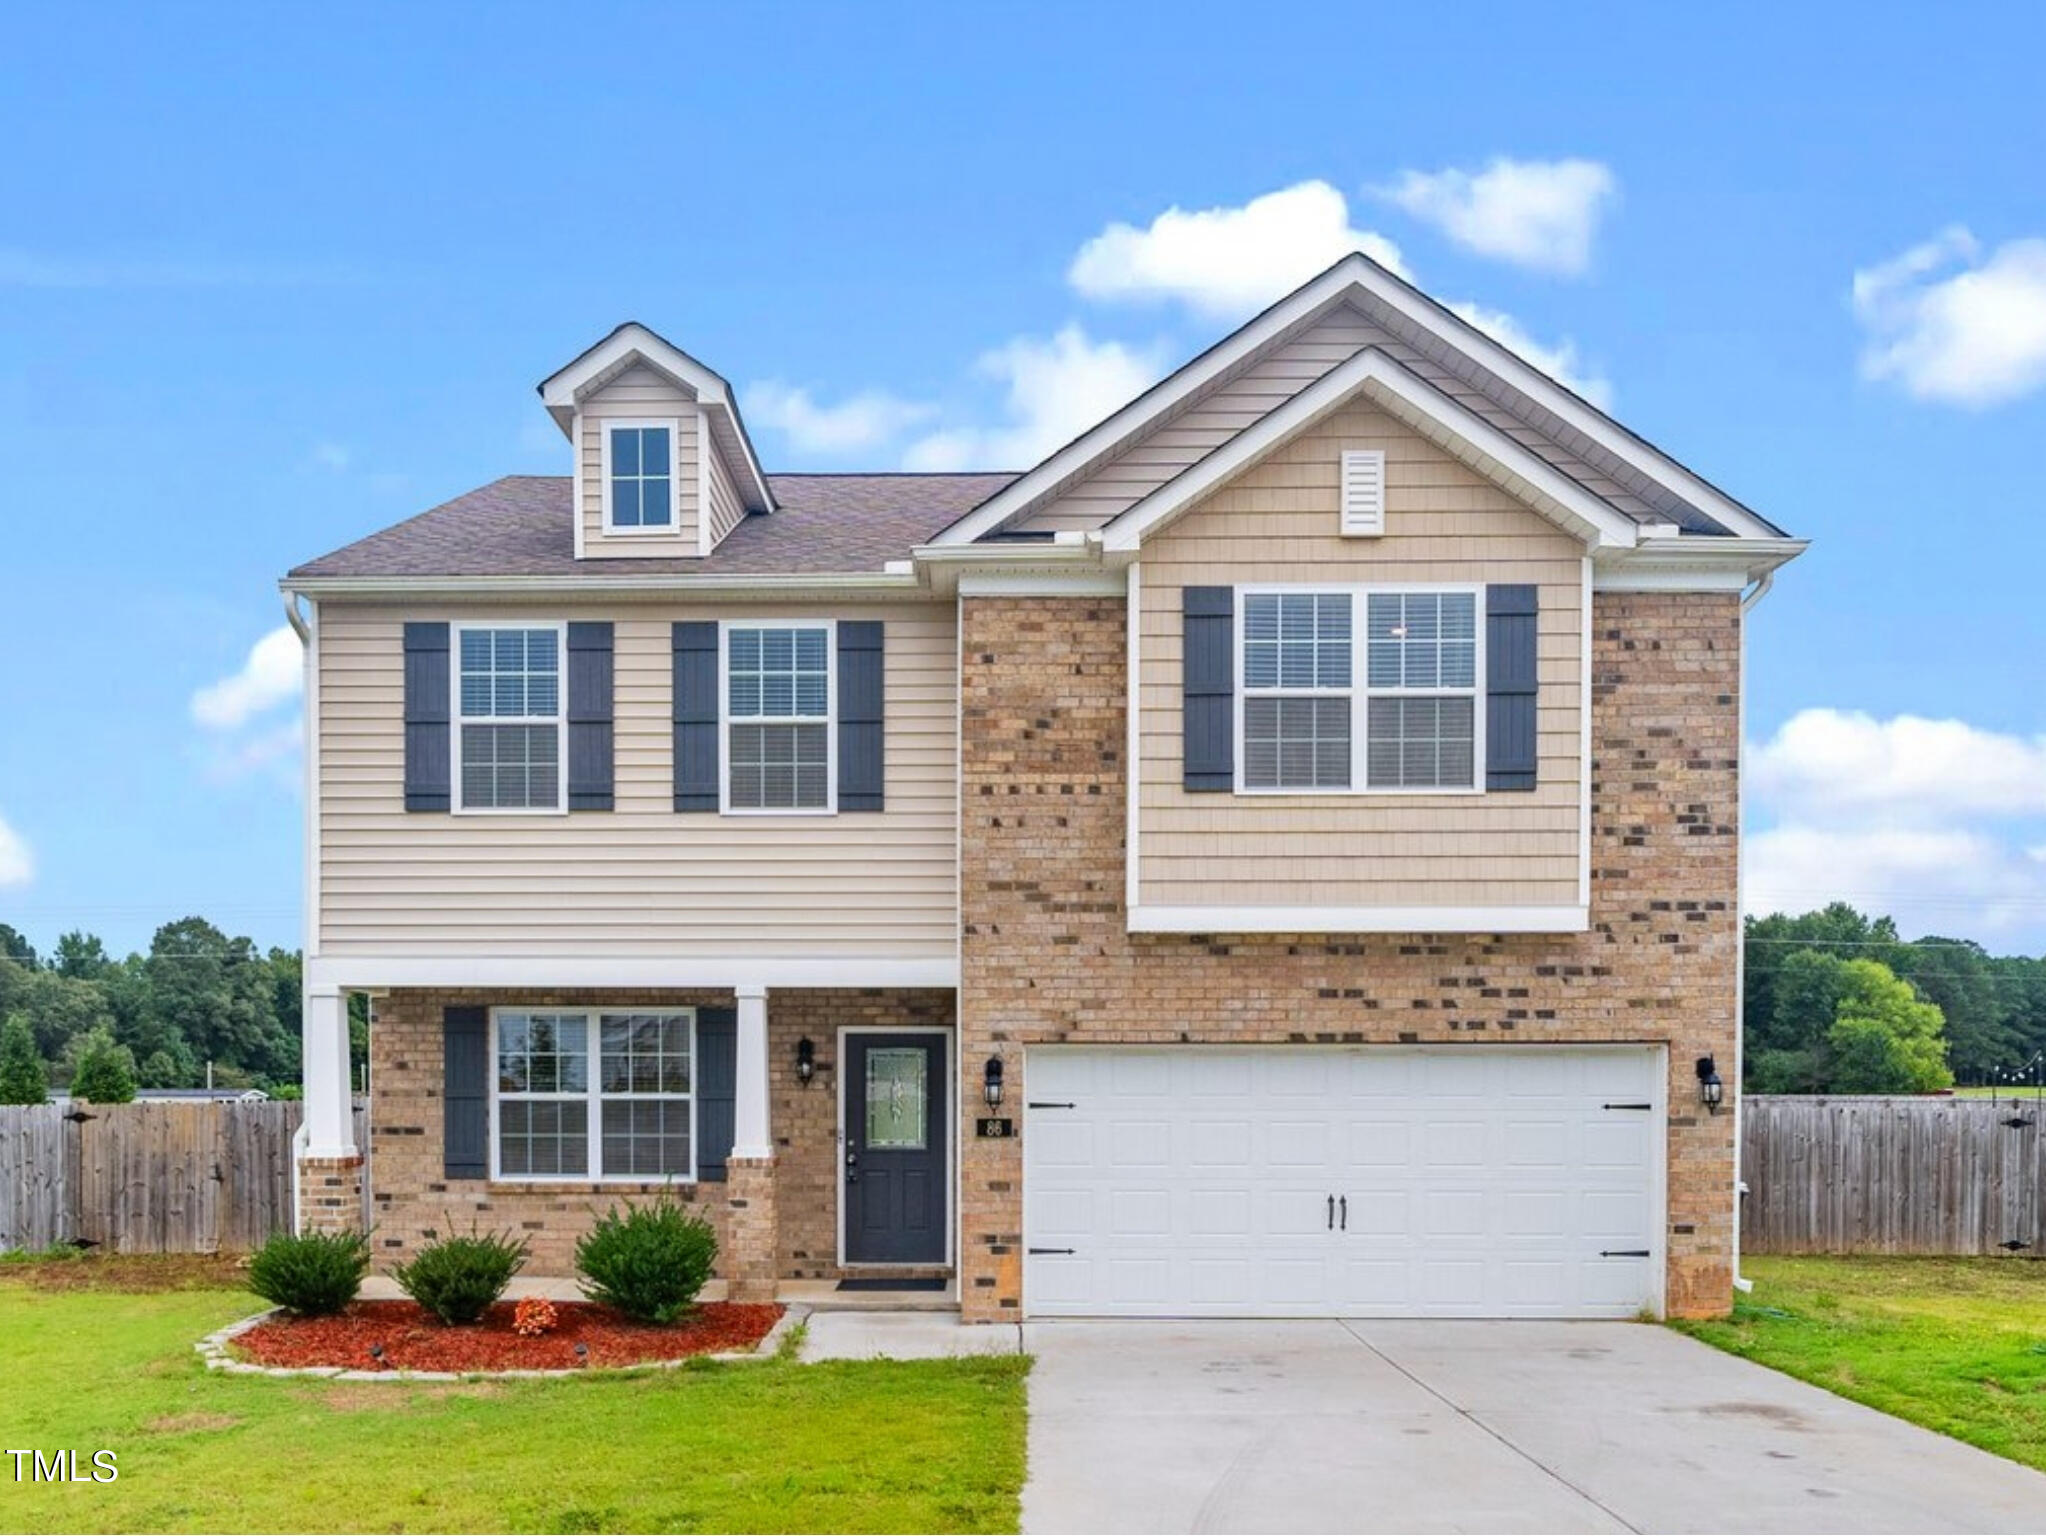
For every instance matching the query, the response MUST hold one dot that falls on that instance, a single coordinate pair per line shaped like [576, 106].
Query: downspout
[1741, 1282]
[298, 1137]
[296, 618]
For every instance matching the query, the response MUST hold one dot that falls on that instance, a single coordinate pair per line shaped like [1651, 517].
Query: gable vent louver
[1363, 492]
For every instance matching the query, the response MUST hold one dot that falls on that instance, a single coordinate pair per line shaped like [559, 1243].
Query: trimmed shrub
[648, 1262]
[458, 1278]
[312, 1274]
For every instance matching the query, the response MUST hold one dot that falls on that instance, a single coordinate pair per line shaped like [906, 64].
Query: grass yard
[884, 1446]
[1957, 1345]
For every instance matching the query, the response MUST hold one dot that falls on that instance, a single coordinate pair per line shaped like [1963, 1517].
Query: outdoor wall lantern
[806, 1060]
[993, 1078]
[1711, 1091]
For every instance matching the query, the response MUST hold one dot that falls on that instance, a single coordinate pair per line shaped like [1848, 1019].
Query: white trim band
[720, 972]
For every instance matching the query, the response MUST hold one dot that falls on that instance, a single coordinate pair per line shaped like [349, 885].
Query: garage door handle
[1331, 1213]
[1344, 1204]
[1624, 1253]
[1054, 1250]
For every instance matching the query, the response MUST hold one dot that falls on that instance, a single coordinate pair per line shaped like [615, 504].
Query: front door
[896, 1132]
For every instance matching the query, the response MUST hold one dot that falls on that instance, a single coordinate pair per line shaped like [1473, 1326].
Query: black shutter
[696, 716]
[861, 731]
[465, 1093]
[589, 717]
[427, 762]
[717, 1078]
[1208, 687]
[1510, 687]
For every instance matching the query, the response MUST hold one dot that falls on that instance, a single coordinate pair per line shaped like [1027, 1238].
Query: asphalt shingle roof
[523, 525]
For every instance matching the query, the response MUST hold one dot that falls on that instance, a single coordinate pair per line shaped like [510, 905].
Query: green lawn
[1958, 1345]
[912, 1446]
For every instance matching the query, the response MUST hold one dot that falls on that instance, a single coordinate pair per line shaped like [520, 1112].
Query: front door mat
[865, 1284]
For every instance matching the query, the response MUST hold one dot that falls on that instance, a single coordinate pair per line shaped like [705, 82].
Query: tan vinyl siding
[1253, 393]
[725, 507]
[640, 880]
[1277, 522]
[640, 394]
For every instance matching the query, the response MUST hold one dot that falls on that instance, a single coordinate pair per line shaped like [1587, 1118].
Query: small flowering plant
[533, 1316]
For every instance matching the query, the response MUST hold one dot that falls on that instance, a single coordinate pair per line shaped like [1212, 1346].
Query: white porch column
[750, 1132]
[329, 1121]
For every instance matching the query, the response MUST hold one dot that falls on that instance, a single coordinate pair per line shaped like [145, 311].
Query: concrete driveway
[1446, 1426]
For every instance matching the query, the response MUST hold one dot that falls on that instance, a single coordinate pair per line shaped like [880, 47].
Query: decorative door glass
[896, 1094]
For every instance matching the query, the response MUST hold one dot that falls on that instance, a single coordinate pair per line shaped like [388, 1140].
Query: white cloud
[17, 863]
[1542, 214]
[1975, 336]
[1055, 388]
[1228, 262]
[1936, 822]
[331, 456]
[866, 420]
[273, 673]
[1907, 766]
[1559, 362]
[274, 751]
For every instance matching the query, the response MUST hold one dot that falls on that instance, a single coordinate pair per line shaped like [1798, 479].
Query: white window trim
[559, 720]
[829, 720]
[594, 1097]
[673, 527]
[1359, 692]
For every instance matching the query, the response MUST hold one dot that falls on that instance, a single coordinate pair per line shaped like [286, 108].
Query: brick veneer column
[752, 1237]
[330, 1194]
[1046, 957]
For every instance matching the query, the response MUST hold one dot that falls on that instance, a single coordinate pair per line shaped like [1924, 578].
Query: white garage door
[1370, 1182]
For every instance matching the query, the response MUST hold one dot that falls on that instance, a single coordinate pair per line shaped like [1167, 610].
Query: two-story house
[1277, 856]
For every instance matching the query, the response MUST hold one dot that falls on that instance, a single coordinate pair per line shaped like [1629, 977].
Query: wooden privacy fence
[1893, 1175]
[147, 1177]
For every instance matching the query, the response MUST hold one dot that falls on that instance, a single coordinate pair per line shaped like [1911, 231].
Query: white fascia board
[1159, 400]
[1099, 581]
[648, 588]
[1390, 384]
[360, 973]
[1692, 563]
[1154, 919]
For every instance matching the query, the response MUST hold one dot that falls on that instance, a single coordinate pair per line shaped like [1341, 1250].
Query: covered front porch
[815, 1127]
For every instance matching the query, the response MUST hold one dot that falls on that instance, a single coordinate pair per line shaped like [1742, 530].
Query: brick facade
[330, 1194]
[1046, 957]
[775, 1219]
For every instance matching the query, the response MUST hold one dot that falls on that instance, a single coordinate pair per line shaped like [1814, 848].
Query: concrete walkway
[1447, 1426]
[849, 1335]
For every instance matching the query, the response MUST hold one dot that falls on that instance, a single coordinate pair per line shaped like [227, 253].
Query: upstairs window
[639, 479]
[508, 705]
[778, 695]
[1325, 707]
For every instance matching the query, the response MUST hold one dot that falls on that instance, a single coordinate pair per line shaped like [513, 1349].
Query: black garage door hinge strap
[1624, 1253]
[1053, 1250]
[1629, 1106]
[1049, 1104]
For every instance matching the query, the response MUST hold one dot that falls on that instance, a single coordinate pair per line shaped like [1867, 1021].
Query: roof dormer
[663, 466]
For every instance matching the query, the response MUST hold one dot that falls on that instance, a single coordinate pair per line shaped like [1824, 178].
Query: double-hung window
[639, 475]
[508, 703]
[778, 696]
[595, 1096]
[1332, 704]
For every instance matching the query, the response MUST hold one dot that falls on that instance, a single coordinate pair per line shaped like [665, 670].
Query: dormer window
[639, 476]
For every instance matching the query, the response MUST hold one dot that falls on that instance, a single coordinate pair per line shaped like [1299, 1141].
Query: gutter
[896, 581]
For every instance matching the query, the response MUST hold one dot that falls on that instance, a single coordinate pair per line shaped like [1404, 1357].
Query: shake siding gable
[639, 881]
[1278, 522]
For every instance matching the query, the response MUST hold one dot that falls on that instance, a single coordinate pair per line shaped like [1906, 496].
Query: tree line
[80, 1020]
[1836, 1002]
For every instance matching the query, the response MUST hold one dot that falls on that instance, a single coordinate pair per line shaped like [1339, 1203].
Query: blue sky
[273, 278]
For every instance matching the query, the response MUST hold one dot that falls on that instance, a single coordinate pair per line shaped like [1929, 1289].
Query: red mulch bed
[413, 1339]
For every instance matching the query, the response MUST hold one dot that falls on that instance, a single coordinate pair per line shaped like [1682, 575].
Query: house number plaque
[994, 1127]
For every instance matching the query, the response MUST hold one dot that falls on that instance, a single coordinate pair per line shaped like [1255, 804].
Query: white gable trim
[562, 393]
[1354, 274]
[1420, 405]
